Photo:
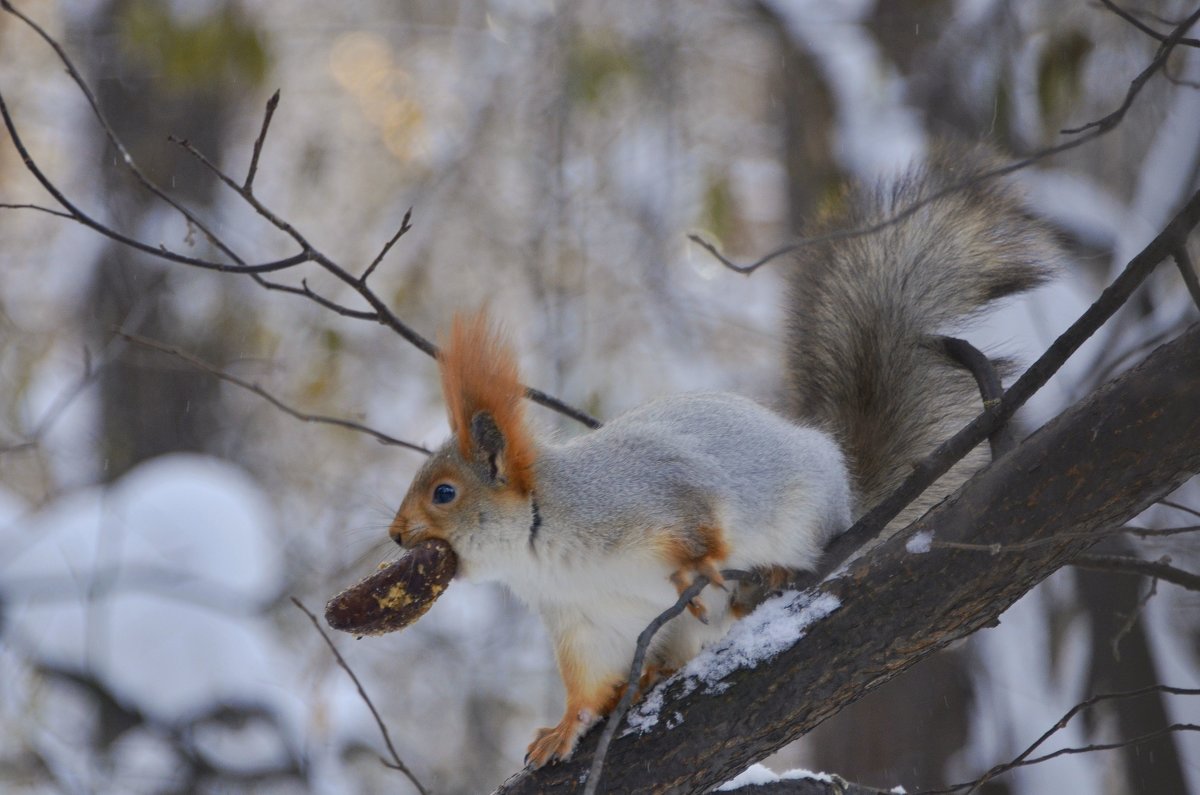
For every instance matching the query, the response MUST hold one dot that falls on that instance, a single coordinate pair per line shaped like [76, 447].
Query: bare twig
[1091, 131]
[38, 207]
[307, 292]
[1023, 759]
[79, 216]
[61, 402]
[1188, 270]
[635, 669]
[1180, 507]
[1008, 549]
[405, 225]
[130, 164]
[382, 314]
[396, 763]
[1131, 619]
[200, 364]
[1106, 123]
[1136, 349]
[272, 103]
[1160, 569]
[1144, 28]
[635, 674]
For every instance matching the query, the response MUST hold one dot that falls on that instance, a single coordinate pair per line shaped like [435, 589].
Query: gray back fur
[862, 312]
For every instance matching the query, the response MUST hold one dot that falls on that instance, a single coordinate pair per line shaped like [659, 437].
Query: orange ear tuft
[479, 374]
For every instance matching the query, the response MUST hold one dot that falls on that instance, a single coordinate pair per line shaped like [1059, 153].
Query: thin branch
[383, 314]
[1126, 564]
[61, 403]
[404, 227]
[1187, 269]
[1087, 749]
[79, 216]
[1131, 620]
[396, 763]
[1134, 350]
[272, 103]
[997, 549]
[635, 674]
[126, 158]
[200, 364]
[1143, 27]
[307, 292]
[1091, 130]
[114, 348]
[1180, 507]
[39, 208]
[1167, 44]
[1023, 759]
[639, 660]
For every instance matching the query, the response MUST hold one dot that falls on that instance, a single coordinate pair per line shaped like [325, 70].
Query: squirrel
[600, 533]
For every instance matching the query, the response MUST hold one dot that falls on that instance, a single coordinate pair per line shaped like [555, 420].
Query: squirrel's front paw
[558, 743]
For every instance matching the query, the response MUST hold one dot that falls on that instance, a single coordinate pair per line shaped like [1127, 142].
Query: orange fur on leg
[590, 696]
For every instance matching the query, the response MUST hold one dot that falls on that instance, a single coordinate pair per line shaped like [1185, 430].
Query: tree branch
[1188, 271]
[1139, 432]
[1180, 507]
[1023, 759]
[1143, 27]
[1091, 131]
[1125, 564]
[272, 104]
[382, 314]
[396, 762]
[200, 364]
[405, 225]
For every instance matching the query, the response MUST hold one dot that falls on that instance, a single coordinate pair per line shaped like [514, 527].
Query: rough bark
[1095, 466]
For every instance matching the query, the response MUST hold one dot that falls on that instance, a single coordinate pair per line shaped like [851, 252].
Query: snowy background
[155, 520]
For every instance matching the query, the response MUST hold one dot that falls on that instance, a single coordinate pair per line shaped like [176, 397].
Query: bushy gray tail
[865, 312]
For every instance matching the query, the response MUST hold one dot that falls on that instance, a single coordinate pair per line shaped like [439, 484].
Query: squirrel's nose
[396, 531]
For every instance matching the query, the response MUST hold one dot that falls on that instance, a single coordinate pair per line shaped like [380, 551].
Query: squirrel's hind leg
[697, 553]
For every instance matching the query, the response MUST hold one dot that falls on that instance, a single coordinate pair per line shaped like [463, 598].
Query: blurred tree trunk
[1112, 602]
[149, 409]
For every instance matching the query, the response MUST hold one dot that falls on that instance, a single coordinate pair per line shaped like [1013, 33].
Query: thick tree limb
[1103, 461]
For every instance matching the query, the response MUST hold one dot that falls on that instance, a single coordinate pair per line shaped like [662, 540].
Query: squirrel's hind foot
[557, 743]
[683, 577]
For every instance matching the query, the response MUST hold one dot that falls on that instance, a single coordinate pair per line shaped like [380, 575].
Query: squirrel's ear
[487, 444]
[484, 401]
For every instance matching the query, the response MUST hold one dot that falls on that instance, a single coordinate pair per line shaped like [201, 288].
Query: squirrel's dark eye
[443, 493]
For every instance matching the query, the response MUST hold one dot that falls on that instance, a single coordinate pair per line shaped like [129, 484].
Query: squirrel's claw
[713, 574]
[557, 743]
[683, 579]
